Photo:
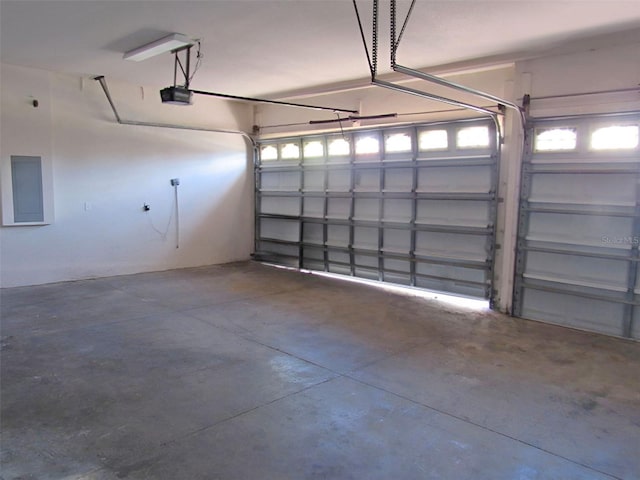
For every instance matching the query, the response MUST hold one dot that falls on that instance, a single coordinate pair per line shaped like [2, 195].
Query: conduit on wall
[103, 83]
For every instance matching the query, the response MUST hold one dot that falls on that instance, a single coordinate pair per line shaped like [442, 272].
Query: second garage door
[579, 232]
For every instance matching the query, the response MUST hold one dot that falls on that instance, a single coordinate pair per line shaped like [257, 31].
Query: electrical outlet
[175, 182]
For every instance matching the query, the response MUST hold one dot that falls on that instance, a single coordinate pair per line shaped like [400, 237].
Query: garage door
[579, 231]
[413, 205]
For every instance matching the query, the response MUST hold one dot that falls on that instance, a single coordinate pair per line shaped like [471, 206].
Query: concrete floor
[246, 372]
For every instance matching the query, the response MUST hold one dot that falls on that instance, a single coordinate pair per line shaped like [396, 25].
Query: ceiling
[268, 46]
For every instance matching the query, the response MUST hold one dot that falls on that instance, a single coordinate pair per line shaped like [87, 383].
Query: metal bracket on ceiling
[185, 69]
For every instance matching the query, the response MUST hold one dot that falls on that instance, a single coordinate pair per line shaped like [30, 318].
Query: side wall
[104, 172]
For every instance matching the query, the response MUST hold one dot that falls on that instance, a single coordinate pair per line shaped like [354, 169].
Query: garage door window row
[428, 140]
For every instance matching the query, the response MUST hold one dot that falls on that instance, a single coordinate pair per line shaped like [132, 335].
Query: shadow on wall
[214, 229]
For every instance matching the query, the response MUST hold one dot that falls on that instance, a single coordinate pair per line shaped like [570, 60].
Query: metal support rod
[583, 94]
[103, 83]
[632, 275]
[177, 63]
[273, 102]
[392, 31]
[353, 118]
[457, 86]
[372, 117]
[431, 96]
[364, 41]
[404, 25]
[578, 116]
[175, 69]
[175, 193]
[374, 43]
[188, 72]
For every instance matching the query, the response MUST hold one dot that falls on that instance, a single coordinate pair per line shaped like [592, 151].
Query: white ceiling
[268, 46]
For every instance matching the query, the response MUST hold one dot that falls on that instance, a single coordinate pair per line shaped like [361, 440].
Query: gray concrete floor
[245, 371]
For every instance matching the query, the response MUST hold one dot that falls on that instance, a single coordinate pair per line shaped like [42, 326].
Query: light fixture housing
[163, 45]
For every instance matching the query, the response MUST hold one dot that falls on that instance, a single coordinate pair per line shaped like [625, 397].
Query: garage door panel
[314, 253]
[579, 159]
[455, 179]
[635, 328]
[366, 273]
[446, 272]
[589, 189]
[398, 179]
[454, 212]
[339, 180]
[574, 311]
[366, 209]
[279, 229]
[313, 181]
[400, 266]
[313, 207]
[339, 269]
[281, 205]
[280, 253]
[362, 260]
[365, 238]
[394, 240]
[313, 258]
[380, 203]
[397, 278]
[397, 210]
[338, 235]
[338, 208]
[313, 233]
[602, 273]
[452, 245]
[451, 286]
[637, 282]
[280, 181]
[338, 257]
[579, 231]
[367, 180]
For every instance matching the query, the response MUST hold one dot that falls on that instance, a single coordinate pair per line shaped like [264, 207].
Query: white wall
[606, 63]
[596, 69]
[104, 172]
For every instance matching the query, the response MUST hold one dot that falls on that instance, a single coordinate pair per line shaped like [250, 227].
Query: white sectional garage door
[412, 205]
[579, 232]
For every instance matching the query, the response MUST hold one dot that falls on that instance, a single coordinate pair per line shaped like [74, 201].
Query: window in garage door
[412, 205]
[579, 231]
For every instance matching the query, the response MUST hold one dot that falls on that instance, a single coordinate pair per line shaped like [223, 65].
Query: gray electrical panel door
[26, 179]
[412, 205]
[579, 232]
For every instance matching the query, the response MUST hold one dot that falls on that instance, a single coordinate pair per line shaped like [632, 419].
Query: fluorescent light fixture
[165, 44]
